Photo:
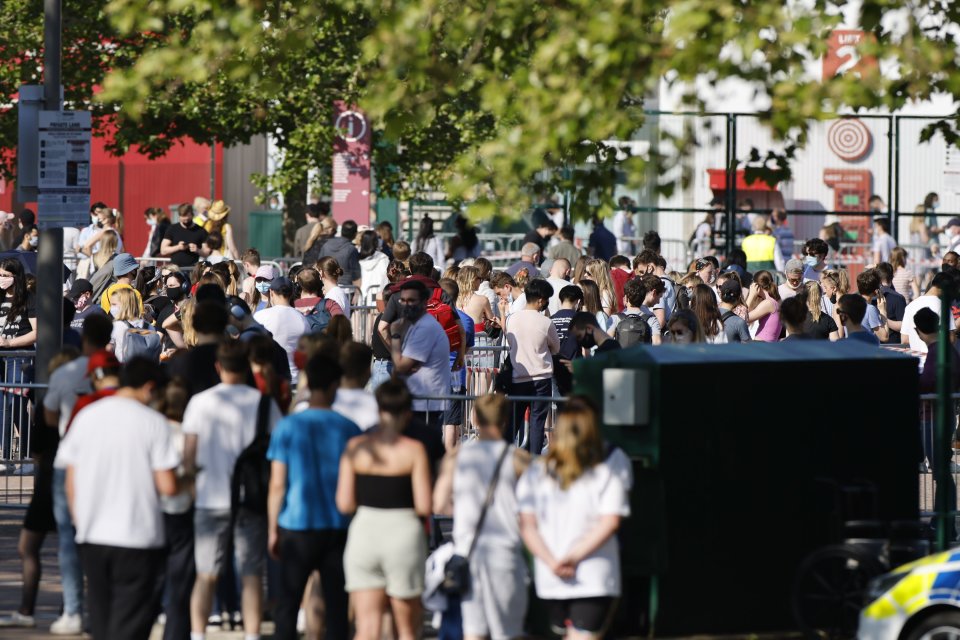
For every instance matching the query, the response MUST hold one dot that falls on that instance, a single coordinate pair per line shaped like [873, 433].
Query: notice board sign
[63, 173]
[351, 165]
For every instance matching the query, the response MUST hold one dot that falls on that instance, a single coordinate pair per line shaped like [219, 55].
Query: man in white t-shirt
[119, 458]
[353, 401]
[282, 320]
[218, 425]
[421, 352]
[931, 300]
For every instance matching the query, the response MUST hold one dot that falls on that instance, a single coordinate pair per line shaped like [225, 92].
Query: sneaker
[214, 622]
[67, 625]
[301, 621]
[237, 622]
[17, 619]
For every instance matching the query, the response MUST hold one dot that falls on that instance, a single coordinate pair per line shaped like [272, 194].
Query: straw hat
[218, 210]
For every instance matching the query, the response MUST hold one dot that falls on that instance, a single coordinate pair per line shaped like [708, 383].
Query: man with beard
[183, 242]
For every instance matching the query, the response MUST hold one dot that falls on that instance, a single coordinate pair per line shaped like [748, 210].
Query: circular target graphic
[850, 139]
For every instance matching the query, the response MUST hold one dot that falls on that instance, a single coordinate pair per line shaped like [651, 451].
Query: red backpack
[447, 318]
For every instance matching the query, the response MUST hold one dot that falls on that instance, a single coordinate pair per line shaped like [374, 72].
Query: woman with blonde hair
[763, 301]
[478, 307]
[819, 324]
[592, 303]
[599, 271]
[571, 503]
[125, 309]
[904, 281]
[108, 248]
[216, 223]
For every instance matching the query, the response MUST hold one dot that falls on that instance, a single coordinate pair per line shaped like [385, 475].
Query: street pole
[944, 428]
[50, 251]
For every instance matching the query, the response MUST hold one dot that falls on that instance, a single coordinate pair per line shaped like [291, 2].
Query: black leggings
[301, 553]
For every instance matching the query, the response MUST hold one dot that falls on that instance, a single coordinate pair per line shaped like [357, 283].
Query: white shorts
[497, 603]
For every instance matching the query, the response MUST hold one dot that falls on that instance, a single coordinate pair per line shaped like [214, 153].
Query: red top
[620, 278]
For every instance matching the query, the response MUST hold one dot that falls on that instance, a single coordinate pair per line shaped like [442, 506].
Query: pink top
[770, 327]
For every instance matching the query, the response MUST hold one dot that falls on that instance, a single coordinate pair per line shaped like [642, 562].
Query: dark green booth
[732, 446]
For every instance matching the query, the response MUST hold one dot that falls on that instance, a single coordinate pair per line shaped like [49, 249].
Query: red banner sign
[844, 56]
[351, 165]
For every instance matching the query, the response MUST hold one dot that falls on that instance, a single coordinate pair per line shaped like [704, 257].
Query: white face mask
[115, 311]
[34, 241]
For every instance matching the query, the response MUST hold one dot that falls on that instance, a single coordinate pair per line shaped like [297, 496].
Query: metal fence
[17, 427]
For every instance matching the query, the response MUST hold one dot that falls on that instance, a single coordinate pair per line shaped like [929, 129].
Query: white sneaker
[17, 619]
[301, 621]
[67, 625]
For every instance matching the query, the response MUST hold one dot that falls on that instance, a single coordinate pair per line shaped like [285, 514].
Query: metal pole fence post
[891, 209]
[943, 431]
[731, 204]
[50, 250]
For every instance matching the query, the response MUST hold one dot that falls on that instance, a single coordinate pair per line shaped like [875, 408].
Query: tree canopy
[496, 102]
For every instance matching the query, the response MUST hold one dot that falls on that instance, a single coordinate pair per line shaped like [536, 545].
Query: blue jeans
[380, 373]
[16, 370]
[71, 574]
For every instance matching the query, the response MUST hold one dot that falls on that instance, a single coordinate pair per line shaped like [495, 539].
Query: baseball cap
[793, 265]
[280, 283]
[731, 286]
[954, 222]
[264, 271]
[123, 264]
[100, 361]
[80, 287]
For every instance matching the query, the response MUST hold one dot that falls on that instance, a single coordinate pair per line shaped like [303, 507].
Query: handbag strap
[489, 500]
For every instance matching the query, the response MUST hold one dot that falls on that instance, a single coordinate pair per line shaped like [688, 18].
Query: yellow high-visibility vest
[759, 247]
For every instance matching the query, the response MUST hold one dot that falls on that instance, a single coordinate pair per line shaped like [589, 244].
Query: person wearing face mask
[183, 242]
[707, 272]
[952, 231]
[420, 351]
[80, 296]
[125, 268]
[282, 320]
[794, 272]
[158, 222]
[261, 287]
[931, 202]
[127, 315]
[648, 262]
[815, 253]
[684, 328]
[30, 240]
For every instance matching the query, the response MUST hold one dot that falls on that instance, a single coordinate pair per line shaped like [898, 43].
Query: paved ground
[48, 603]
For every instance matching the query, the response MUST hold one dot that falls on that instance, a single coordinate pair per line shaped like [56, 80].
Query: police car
[917, 601]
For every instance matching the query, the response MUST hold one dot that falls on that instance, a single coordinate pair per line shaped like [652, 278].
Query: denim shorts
[212, 533]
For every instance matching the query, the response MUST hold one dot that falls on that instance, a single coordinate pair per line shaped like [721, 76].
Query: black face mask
[587, 341]
[189, 222]
[174, 293]
[833, 299]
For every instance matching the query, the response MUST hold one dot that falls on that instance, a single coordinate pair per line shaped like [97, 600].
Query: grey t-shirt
[735, 327]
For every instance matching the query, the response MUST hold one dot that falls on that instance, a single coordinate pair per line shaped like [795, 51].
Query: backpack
[447, 318]
[318, 317]
[141, 343]
[250, 482]
[632, 329]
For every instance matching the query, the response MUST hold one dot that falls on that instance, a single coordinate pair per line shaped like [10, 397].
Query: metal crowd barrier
[927, 424]
[361, 319]
[17, 427]
[468, 430]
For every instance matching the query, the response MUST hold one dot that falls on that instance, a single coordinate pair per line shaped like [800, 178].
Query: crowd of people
[213, 425]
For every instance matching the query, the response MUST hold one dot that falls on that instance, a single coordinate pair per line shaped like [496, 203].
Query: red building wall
[132, 183]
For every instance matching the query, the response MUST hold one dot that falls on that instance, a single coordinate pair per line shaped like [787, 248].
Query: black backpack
[682, 301]
[251, 473]
[632, 329]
